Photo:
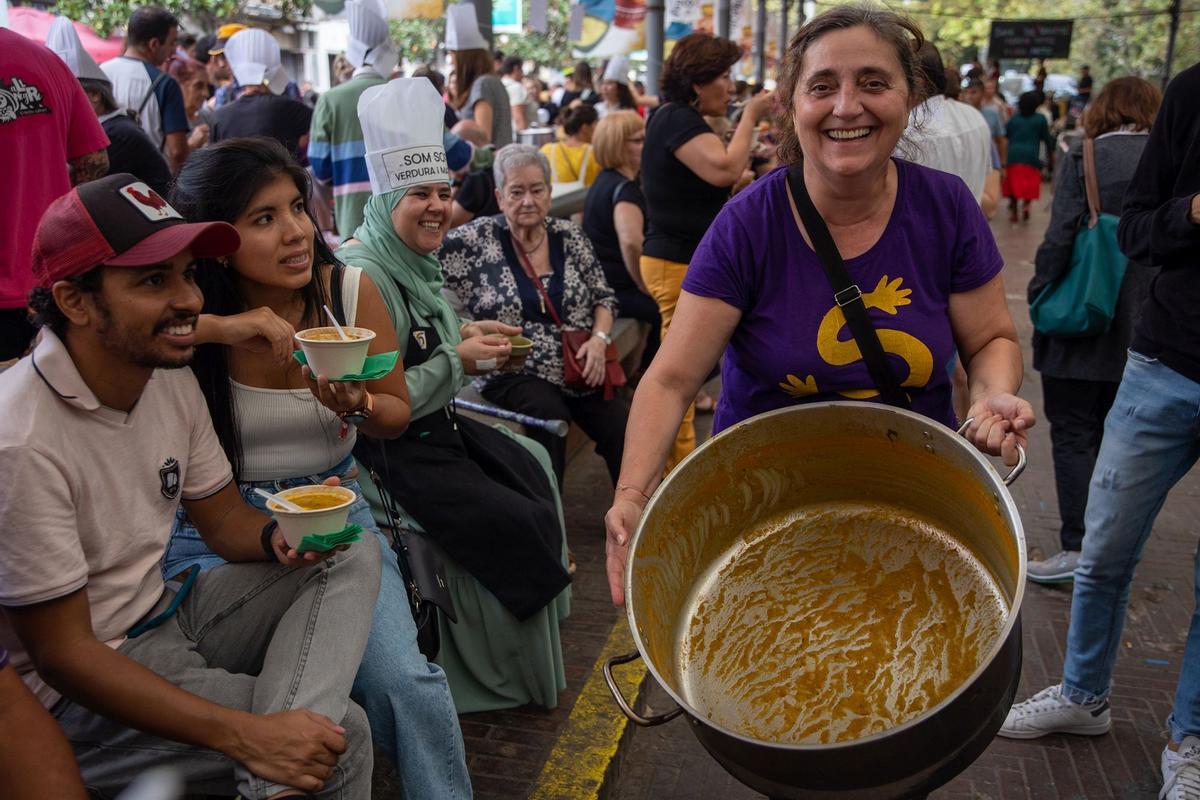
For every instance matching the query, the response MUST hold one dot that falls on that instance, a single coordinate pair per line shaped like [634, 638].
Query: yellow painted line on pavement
[588, 743]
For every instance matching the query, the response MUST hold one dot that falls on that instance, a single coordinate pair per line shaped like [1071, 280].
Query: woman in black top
[687, 172]
[614, 218]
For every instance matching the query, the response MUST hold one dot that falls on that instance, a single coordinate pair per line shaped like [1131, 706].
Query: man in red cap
[240, 675]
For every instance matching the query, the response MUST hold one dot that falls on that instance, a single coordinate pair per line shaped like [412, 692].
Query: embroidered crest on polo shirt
[19, 99]
[149, 202]
[168, 478]
[420, 337]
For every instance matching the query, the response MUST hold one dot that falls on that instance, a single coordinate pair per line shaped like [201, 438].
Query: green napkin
[374, 368]
[323, 542]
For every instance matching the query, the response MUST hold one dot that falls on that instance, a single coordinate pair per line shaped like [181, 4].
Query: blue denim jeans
[1151, 440]
[407, 699]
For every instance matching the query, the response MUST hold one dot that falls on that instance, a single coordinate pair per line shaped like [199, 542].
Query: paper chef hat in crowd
[402, 123]
[370, 43]
[253, 55]
[462, 28]
[63, 39]
[617, 70]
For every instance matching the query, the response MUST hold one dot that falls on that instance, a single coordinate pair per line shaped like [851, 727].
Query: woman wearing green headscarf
[485, 496]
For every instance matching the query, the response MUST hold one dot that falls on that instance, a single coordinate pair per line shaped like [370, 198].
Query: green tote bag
[1082, 302]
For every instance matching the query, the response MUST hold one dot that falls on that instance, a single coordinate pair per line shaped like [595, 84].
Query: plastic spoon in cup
[337, 326]
[287, 505]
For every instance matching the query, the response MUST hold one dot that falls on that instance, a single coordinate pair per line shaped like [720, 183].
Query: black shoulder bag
[419, 560]
[846, 293]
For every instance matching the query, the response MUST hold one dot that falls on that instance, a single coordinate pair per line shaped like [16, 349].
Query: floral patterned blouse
[481, 267]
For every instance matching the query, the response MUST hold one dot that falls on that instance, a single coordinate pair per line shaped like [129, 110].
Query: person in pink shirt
[51, 141]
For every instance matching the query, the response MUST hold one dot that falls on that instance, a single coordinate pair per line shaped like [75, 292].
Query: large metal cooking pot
[811, 454]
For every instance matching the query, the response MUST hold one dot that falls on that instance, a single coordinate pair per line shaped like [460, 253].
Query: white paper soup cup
[295, 525]
[328, 355]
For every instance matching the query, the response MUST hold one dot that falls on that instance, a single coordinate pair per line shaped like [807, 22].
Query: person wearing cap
[129, 149]
[488, 497]
[283, 427]
[139, 83]
[261, 109]
[219, 72]
[52, 141]
[477, 93]
[615, 91]
[238, 678]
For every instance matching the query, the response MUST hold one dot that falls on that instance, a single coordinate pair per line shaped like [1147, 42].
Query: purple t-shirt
[792, 344]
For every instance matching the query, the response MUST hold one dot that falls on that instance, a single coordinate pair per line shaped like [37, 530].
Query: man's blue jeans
[407, 699]
[1151, 440]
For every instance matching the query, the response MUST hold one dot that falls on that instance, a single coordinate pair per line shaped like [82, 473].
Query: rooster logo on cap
[149, 202]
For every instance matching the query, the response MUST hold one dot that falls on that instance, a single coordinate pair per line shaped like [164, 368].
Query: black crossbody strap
[846, 293]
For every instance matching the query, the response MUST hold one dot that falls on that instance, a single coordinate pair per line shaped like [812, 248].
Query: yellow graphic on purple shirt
[887, 297]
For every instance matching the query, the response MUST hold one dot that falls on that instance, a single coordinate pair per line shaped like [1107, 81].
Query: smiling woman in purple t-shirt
[913, 239]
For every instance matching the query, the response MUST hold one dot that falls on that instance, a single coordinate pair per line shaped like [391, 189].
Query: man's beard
[137, 349]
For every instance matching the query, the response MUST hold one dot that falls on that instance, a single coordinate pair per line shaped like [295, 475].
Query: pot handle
[1021, 459]
[626, 709]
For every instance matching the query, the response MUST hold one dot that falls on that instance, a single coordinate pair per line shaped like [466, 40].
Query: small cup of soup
[332, 357]
[521, 346]
[326, 509]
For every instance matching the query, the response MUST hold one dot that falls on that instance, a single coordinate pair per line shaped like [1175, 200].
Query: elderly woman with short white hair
[522, 268]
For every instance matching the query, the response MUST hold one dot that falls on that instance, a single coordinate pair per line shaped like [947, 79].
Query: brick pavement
[506, 749]
[666, 763]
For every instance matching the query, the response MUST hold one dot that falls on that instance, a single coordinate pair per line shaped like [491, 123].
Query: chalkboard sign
[1030, 38]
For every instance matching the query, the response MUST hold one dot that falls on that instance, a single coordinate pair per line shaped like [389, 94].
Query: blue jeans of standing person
[407, 699]
[1151, 440]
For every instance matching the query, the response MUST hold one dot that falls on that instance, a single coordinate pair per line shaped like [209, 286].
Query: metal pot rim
[1011, 621]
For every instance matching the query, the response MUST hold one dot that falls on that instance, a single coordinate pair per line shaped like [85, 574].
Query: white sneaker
[1181, 771]
[1049, 712]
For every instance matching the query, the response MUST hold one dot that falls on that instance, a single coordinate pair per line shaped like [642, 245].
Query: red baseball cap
[119, 221]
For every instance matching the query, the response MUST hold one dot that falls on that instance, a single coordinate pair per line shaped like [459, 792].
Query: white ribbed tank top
[287, 433]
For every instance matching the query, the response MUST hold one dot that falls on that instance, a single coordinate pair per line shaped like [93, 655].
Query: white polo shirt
[89, 493]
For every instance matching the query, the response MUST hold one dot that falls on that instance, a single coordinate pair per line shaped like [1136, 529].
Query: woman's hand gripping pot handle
[620, 523]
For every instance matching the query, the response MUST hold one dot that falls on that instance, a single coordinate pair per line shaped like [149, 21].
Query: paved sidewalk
[667, 762]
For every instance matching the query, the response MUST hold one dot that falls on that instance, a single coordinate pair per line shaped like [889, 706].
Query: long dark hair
[217, 183]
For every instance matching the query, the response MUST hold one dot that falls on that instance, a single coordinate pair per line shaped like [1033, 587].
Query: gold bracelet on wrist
[621, 486]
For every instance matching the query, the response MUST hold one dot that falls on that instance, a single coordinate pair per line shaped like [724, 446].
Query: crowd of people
[180, 212]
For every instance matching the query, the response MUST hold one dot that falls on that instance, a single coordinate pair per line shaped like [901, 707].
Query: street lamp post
[760, 43]
[654, 44]
[1173, 32]
[721, 18]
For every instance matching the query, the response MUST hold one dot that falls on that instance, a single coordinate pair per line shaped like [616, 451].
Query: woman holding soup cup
[913, 239]
[486, 496]
[282, 426]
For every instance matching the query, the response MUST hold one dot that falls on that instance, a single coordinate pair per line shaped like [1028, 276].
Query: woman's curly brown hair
[899, 31]
[697, 58]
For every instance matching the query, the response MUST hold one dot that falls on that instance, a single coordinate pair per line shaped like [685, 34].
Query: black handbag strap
[846, 293]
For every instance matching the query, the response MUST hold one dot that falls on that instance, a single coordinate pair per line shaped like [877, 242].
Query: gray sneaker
[1058, 568]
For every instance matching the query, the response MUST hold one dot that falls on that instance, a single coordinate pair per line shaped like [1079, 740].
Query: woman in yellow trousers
[687, 172]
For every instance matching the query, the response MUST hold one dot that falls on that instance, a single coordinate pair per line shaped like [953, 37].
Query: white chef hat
[462, 28]
[402, 123]
[63, 39]
[617, 70]
[370, 43]
[253, 56]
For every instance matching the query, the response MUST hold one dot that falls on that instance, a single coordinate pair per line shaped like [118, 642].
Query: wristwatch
[603, 336]
[359, 415]
[267, 532]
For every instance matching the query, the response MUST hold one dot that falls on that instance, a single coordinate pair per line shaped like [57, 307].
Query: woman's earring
[226, 262]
